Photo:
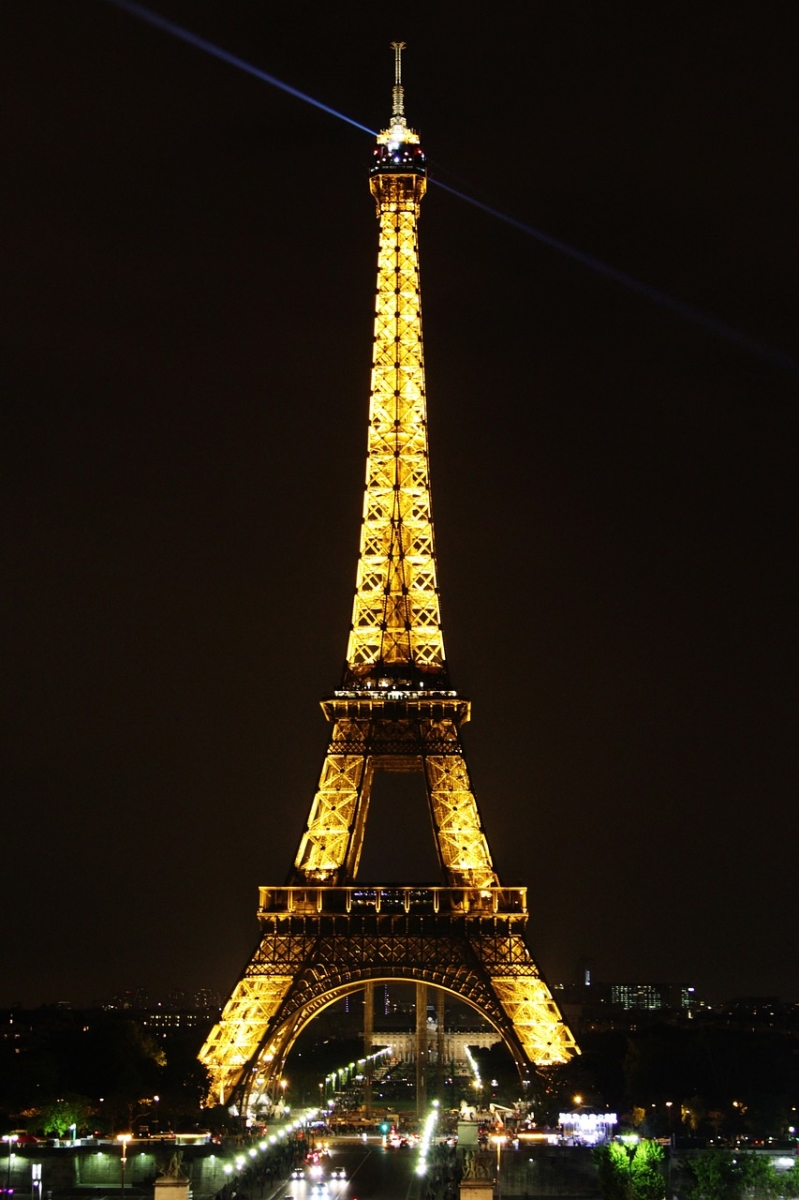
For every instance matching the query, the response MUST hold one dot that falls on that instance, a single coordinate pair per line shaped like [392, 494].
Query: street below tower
[372, 1172]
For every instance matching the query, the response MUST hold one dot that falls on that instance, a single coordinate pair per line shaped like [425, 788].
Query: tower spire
[398, 95]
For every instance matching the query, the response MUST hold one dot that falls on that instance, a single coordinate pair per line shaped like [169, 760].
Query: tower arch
[261, 1081]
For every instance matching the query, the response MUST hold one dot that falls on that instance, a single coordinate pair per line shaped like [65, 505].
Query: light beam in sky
[193, 39]
[707, 321]
[713, 324]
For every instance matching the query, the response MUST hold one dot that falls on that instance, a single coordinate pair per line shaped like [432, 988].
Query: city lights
[424, 1141]
[477, 1082]
[10, 1139]
[587, 1128]
[124, 1138]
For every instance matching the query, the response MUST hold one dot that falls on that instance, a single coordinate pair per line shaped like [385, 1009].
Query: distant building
[206, 998]
[759, 1012]
[455, 1044]
[138, 1000]
[652, 996]
[133, 998]
[596, 1006]
[171, 1019]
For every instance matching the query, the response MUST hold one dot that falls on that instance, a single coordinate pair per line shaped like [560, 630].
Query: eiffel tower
[324, 934]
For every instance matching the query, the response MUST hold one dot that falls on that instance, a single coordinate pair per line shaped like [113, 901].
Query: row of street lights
[337, 1079]
[269, 1143]
[124, 1138]
[240, 1161]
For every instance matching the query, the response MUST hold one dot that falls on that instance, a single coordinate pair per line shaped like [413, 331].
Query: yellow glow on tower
[395, 711]
[395, 619]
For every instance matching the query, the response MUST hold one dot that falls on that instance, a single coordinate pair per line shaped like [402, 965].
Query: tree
[728, 1175]
[60, 1115]
[645, 1169]
[613, 1168]
[628, 1172]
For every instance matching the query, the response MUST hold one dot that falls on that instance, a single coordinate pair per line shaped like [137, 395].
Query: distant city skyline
[628, 994]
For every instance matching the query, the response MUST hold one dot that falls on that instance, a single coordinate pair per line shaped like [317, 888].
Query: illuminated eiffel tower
[324, 935]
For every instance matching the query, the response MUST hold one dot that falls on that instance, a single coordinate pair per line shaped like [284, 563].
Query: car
[298, 1173]
[338, 1173]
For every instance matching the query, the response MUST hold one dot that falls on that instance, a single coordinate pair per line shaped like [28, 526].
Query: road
[372, 1173]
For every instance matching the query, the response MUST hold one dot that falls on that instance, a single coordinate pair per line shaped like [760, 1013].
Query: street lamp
[124, 1138]
[10, 1138]
[499, 1140]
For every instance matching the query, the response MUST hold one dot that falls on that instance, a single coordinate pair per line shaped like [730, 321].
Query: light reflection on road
[373, 1172]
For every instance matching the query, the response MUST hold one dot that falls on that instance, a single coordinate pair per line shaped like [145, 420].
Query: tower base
[320, 943]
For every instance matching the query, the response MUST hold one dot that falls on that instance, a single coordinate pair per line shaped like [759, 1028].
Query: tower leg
[368, 1045]
[421, 1049]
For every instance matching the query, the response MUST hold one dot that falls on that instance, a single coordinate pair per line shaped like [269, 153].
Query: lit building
[587, 1128]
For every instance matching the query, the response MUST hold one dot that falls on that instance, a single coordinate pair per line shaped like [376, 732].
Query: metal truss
[395, 736]
[320, 943]
[323, 934]
[395, 617]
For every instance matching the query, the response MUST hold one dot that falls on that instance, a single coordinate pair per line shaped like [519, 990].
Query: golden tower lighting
[323, 935]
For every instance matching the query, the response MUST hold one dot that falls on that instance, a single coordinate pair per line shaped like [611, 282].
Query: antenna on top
[398, 103]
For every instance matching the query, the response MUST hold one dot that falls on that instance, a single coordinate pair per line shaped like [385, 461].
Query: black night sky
[188, 271]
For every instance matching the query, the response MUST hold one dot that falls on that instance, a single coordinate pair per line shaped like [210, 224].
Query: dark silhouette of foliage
[735, 1175]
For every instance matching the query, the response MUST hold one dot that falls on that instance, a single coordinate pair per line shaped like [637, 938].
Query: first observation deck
[392, 900]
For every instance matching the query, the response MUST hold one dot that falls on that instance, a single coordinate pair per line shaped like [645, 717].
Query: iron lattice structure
[323, 935]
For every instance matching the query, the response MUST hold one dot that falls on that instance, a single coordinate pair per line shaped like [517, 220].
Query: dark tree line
[702, 1080]
[102, 1067]
[705, 1081]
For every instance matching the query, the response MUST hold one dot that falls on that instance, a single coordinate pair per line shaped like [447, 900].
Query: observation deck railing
[310, 900]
